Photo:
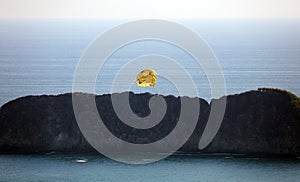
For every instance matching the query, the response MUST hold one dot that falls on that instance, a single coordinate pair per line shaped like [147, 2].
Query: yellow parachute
[147, 77]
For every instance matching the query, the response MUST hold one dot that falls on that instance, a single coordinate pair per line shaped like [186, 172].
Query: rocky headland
[259, 122]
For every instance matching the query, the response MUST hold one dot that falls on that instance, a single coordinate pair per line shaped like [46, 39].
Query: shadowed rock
[263, 122]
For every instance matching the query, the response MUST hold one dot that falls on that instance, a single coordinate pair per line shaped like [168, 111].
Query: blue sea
[58, 167]
[40, 56]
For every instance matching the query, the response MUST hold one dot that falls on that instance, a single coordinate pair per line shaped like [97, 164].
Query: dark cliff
[263, 122]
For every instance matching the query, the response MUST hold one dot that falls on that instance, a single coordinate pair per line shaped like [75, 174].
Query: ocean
[58, 167]
[40, 56]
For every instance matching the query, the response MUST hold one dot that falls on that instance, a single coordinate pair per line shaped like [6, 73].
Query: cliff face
[259, 122]
[255, 122]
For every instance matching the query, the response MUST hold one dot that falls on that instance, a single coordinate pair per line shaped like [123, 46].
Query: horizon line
[133, 19]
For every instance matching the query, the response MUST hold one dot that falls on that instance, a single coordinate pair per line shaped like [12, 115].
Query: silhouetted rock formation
[263, 122]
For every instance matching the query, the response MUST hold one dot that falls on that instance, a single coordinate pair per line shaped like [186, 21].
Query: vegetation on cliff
[294, 99]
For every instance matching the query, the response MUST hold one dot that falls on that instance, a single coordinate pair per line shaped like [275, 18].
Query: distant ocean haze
[40, 56]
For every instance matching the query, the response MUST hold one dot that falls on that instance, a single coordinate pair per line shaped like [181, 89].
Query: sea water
[58, 167]
[40, 56]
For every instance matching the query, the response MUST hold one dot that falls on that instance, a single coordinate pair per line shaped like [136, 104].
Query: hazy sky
[149, 9]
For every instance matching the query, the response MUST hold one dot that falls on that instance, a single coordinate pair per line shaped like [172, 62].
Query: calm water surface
[59, 167]
[40, 56]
